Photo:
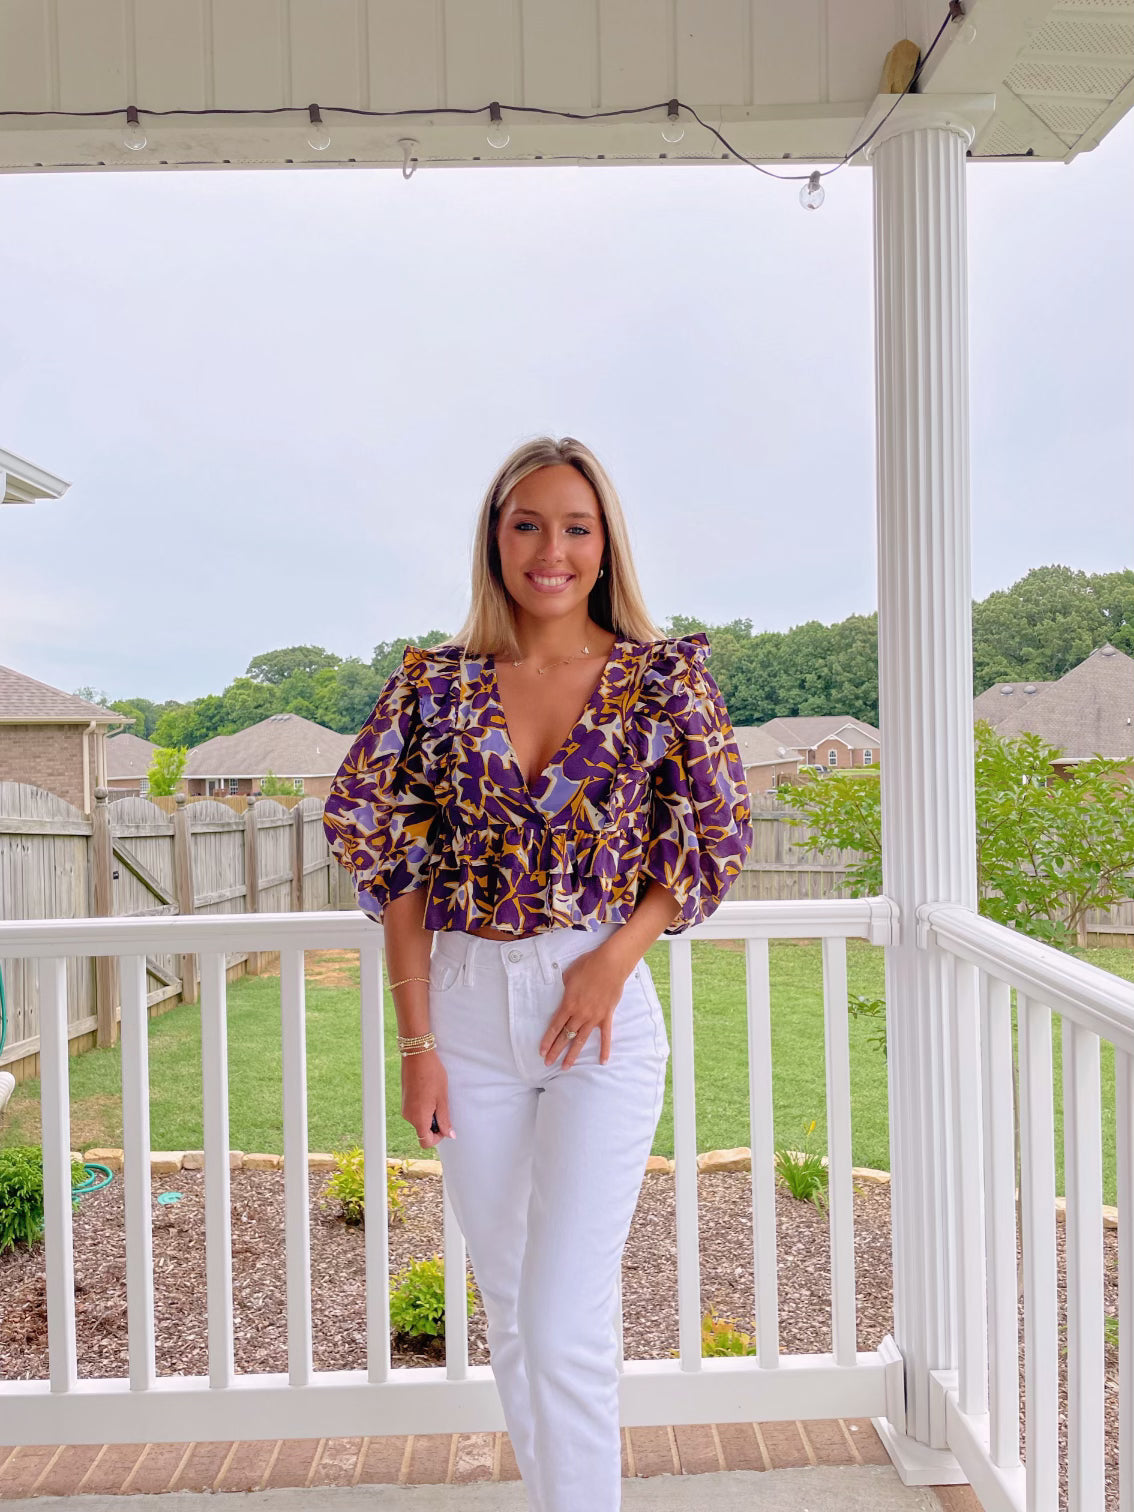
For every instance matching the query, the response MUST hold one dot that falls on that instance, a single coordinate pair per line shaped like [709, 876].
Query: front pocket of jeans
[443, 975]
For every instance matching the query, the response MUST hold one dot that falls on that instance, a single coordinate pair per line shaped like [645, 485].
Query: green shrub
[417, 1299]
[348, 1186]
[802, 1172]
[721, 1336]
[870, 1008]
[21, 1194]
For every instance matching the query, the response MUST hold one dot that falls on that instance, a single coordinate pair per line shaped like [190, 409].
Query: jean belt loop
[545, 945]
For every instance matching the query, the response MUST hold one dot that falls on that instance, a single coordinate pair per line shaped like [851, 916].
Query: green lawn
[334, 1068]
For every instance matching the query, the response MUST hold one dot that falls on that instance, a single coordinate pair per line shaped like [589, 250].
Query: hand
[425, 1093]
[592, 987]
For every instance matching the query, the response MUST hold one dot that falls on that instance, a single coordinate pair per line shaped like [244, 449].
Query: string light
[133, 134]
[673, 130]
[498, 134]
[811, 196]
[318, 137]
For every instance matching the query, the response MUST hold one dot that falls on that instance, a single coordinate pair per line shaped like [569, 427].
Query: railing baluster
[138, 1200]
[1124, 1139]
[297, 1202]
[761, 1121]
[967, 1189]
[1082, 1174]
[55, 1120]
[840, 1187]
[218, 1205]
[456, 1295]
[998, 1087]
[374, 1164]
[685, 1153]
[1037, 1190]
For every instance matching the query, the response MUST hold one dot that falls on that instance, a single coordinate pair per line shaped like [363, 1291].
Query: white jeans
[544, 1176]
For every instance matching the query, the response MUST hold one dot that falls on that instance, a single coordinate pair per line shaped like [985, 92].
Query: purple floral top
[648, 784]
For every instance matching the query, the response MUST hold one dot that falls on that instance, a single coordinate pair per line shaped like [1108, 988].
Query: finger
[562, 1041]
[576, 1046]
[604, 1044]
[442, 1116]
[554, 1029]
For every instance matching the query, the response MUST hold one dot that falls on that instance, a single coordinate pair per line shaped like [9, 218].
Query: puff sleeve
[381, 818]
[700, 827]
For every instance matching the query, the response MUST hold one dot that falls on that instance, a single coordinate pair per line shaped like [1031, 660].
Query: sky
[280, 396]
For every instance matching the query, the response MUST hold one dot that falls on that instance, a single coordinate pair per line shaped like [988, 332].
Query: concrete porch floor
[805, 1466]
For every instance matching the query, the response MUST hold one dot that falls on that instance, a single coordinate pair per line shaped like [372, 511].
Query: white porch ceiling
[780, 78]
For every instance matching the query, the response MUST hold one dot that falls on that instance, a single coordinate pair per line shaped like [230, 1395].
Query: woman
[538, 801]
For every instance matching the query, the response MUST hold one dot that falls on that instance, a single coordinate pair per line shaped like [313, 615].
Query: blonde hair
[616, 601]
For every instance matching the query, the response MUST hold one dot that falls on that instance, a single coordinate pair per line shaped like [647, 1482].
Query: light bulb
[812, 195]
[133, 134]
[318, 137]
[673, 130]
[498, 134]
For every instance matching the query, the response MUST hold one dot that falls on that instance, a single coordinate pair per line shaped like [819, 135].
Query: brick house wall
[849, 756]
[313, 787]
[47, 756]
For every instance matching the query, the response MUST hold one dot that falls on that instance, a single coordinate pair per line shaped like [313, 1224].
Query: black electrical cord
[955, 13]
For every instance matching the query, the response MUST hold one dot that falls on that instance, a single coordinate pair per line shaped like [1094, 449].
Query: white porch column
[925, 711]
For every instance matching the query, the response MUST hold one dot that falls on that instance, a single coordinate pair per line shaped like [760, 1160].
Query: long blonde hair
[616, 601]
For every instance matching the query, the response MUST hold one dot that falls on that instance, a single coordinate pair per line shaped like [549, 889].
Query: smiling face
[551, 541]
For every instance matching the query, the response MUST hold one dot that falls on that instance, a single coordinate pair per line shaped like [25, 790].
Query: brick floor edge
[426, 1459]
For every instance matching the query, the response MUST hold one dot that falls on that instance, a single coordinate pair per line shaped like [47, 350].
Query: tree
[1046, 845]
[277, 666]
[246, 703]
[93, 695]
[167, 770]
[141, 711]
[272, 786]
[1045, 624]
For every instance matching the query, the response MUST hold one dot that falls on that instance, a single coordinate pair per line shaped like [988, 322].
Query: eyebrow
[574, 514]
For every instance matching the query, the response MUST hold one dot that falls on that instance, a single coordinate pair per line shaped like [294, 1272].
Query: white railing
[455, 1397]
[980, 1400]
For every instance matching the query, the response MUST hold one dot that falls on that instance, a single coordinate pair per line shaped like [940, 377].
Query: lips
[550, 582]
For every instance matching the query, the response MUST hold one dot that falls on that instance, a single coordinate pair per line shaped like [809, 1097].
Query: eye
[582, 529]
[524, 525]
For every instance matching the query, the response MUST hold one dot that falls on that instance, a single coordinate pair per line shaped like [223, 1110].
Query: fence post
[106, 967]
[251, 877]
[183, 888]
[298, 857]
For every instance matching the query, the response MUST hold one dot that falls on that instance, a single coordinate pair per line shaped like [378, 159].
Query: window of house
[868, 758]
[832, 758]
[144, 784]
[233, 785]
[297, 784]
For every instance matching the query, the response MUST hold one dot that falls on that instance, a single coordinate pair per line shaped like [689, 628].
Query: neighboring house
[827, 740]
[305, 753]
[767, 762]
[23, 483]
[128, 762]
[53, 740]
[1087, 712]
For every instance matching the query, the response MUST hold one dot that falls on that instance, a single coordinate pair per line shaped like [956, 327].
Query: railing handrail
[874, 919]
[1087, 995]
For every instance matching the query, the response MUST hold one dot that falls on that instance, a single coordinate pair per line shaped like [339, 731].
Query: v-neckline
[539, 779]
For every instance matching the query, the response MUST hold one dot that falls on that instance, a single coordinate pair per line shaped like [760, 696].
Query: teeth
[549, 582]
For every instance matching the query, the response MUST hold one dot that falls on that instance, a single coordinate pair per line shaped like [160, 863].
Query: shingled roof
[1088, 712]
[1005, 698]
[23, 700]
[286, 744]
[128, 756]
[759, 748]
[810, 730]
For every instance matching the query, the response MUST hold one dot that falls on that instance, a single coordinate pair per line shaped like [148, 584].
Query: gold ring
[570, 1033]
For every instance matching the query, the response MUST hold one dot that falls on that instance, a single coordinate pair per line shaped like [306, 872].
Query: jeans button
[515, 955]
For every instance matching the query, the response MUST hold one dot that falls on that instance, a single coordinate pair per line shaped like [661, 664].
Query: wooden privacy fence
[132, 859]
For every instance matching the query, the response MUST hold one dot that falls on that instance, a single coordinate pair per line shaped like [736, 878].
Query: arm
[424, 1083]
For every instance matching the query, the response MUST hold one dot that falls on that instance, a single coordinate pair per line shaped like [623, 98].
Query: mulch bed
[338, 1280]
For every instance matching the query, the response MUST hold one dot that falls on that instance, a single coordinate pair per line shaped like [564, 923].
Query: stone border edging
[712, 1162]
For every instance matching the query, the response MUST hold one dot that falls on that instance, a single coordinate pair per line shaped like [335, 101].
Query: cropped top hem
[647, 785]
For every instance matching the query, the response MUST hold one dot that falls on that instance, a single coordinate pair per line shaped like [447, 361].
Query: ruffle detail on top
[381, 818]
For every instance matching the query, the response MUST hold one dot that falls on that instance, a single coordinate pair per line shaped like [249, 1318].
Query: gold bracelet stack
[416, 1044]
[404, 980]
